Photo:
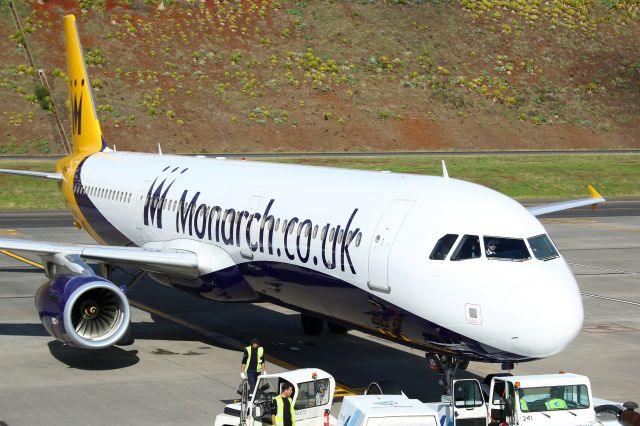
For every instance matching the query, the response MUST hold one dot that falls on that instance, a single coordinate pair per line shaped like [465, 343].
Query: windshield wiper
[548, 416]
[574, 414]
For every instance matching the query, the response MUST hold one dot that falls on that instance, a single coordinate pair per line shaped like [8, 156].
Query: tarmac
[185, 362]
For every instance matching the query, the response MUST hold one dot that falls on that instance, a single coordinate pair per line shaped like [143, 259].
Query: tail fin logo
[76, 113]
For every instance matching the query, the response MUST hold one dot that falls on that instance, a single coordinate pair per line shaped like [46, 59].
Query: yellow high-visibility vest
[280, 411]
[259, 358]
[556, 404]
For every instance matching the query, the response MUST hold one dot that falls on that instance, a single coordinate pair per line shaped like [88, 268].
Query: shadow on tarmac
[95, 360]
[353, 361]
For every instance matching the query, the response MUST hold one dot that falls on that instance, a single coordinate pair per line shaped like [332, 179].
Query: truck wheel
[311, 325]
[608, 412]
[337, 328]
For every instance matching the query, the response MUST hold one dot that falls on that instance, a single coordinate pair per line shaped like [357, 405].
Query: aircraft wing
[54, 176]
[594, 200]
[168, 261]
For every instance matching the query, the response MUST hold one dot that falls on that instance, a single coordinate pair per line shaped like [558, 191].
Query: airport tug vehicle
[313, 391]
[534, 400]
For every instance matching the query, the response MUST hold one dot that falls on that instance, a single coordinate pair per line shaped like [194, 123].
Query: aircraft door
[383, 239]
[469, 408]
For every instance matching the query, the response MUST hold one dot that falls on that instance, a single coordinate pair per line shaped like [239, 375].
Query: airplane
[443, 265]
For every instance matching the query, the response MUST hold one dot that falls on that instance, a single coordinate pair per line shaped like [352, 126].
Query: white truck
[313, 391]
[545, 400]
[385, 410]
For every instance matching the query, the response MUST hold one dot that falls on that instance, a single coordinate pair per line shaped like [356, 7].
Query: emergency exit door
[383, 240]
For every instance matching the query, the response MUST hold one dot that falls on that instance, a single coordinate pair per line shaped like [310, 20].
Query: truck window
[266, 390]
[554, 398]
[443, 246]
[467, 394]
[312, 394]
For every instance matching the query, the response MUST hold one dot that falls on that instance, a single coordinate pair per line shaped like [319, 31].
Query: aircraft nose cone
[555, 317]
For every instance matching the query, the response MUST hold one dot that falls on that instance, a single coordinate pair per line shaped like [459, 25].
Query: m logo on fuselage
[153, 207]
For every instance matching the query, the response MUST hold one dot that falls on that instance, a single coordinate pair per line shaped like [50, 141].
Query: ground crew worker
[253, 363]
[556, 402]
[283, 415]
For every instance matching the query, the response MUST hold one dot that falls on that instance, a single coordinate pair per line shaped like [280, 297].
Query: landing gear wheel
[311, 325]
[337, 328]
[127, 339]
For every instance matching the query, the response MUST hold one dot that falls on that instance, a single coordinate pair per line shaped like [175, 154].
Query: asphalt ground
[184, 365]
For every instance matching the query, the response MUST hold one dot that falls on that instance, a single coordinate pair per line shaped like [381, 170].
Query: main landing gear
[313, 326]
[106, 271]
[447, 365]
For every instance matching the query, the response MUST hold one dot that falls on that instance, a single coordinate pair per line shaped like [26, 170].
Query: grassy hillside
[265, 75]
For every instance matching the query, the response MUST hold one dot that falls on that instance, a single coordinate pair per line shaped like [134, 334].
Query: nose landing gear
[446, 365]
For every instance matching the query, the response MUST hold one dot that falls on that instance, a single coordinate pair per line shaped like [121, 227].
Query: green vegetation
[519, 176]
[383, 73]
[29, 193]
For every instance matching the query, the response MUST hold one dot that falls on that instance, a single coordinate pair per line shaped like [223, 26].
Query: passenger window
[323, 234]
[443, 246]
[358, 239]
[315, 232]
[505, 248]
[277, 224]
[469, 248]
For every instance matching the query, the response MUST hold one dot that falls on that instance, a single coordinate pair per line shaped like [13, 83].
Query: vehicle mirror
[257, 412]
[508, 407]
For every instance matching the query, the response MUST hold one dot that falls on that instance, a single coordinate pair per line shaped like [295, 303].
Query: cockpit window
[469, 248]
[542, 247]
[505, 248]
[443, 246]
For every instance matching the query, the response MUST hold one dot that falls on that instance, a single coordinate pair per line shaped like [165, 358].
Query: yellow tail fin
[86, 134]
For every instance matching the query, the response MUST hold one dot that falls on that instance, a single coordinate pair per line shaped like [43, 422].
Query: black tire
[311, 325]
[337, 328]
[608, 412]
[127, 339]
[489, 377]
[384, 387]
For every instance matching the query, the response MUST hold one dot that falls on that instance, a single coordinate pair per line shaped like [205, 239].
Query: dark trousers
[252, 378]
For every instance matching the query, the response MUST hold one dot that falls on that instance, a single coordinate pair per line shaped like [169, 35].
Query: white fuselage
[350, 246]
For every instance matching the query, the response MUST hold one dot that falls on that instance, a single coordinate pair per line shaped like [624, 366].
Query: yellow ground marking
[10, 232]
[21, 259]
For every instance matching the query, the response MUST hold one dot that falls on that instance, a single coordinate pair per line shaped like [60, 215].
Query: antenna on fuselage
[159, 149]
[445, 173]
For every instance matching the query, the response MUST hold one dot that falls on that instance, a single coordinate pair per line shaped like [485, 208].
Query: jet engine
[87, 312]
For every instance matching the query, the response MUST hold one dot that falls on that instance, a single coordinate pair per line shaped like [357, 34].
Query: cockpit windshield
[542, 247]
[505, 248]
[553, 398]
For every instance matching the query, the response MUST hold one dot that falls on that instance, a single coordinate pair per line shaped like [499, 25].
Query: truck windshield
[542, 247]
[553, 398]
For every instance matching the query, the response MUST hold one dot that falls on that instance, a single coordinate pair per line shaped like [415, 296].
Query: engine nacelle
[83, 311]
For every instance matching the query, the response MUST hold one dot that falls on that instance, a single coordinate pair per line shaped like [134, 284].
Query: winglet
[594, 194]
[86, 136]
[445, 173]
